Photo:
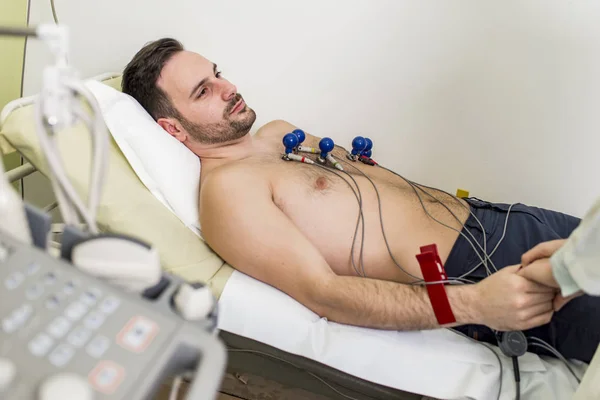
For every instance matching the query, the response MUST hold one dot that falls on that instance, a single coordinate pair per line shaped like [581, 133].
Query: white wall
[500, 98]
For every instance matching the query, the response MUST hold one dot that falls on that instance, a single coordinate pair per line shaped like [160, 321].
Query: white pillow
[164, 165]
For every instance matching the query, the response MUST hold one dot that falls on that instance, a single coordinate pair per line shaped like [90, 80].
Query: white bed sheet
[436, 363]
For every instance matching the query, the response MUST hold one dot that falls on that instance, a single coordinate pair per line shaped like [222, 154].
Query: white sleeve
[576, 265]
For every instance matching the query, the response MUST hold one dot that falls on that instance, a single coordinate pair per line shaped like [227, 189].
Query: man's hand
[507, 301]
[542, 250]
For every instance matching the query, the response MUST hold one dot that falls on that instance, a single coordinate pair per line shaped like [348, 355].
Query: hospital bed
[268, 333]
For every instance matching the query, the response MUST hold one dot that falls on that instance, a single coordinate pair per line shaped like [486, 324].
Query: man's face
[210, 109]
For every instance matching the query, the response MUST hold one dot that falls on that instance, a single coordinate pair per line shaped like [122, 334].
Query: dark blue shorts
[575, 330]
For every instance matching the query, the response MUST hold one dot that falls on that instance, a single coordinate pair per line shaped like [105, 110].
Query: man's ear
[173, 128]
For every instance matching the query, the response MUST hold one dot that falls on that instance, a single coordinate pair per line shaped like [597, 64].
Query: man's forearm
[389, 305]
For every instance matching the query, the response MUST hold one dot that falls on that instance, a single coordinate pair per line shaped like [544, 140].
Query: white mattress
[408, 361]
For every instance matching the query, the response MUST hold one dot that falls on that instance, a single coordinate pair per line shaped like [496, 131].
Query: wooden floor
[247, 387]
[165, 390]
[224, 396]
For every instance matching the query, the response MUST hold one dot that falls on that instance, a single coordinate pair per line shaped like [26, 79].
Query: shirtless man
[292, 225]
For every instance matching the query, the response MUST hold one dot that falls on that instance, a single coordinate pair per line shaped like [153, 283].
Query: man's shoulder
[237, 185]
[275, 128]
[231, 176]
[235, 180]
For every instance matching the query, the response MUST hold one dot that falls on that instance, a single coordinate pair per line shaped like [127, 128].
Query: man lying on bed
[292, 225]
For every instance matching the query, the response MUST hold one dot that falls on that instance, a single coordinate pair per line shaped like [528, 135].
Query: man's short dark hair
[141, 75]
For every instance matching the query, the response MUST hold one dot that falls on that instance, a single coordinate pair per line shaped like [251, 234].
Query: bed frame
[247, 356]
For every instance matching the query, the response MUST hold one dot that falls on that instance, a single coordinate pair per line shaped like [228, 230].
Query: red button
[106, 377]
[137, 335]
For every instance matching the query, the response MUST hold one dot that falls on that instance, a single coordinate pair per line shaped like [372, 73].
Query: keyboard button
[50, 278]
[52, 302]
[110, 304]
[90, 297]
[3, 253]
[137, 335]
[106, 377]
[17, 318]
[40, 345]
[94, 320]
[9, 325]
[76, 310]
[98, 346]
[79, 336]
[32, 268]
[14, 280]
[35, 291]
[61, 355]
[59, 327]
[69, 288]
[22, 314]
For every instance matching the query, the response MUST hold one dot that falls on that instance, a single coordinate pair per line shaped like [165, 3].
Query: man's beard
[224, 131]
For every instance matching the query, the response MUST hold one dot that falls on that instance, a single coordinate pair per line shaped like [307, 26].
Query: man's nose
[229, 90]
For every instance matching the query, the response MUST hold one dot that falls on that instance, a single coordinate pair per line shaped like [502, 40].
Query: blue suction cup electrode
[290, 141]
[326, 145]
[300, 134]
[358, 145]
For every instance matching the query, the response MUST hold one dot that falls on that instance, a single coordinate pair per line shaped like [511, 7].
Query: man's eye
[202, 93]
[218, 74]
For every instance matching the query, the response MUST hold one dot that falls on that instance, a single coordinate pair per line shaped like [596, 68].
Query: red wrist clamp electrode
[433, 271]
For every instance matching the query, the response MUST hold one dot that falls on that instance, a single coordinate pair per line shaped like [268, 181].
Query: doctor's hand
[542, 250]
[508, 301]
[540, 271]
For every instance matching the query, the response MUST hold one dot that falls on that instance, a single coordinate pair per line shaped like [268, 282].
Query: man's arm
[243, 225]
